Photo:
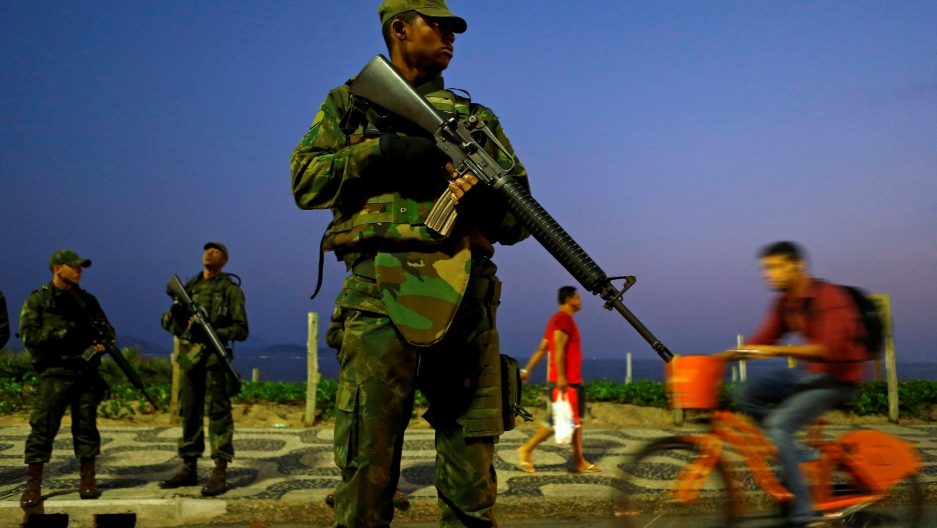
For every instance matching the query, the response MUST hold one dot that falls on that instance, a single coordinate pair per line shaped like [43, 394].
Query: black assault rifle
[380, 84]
[200, 317]
[101, 334]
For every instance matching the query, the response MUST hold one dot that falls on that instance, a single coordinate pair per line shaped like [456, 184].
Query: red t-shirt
[825, 315]
[563, 322]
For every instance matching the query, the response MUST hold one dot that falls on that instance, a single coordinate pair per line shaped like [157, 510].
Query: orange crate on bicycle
[693, 382]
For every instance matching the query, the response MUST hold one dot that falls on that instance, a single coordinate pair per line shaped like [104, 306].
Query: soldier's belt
[488, 290]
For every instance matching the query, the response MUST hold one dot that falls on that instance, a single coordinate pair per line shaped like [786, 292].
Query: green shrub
[18, 390]
[18, 381]
[644, 393]
[152, 370]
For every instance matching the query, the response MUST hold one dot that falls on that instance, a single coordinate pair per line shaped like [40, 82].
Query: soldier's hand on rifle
[178, 312]
[460, 184]
[414, 156]
[99, 348]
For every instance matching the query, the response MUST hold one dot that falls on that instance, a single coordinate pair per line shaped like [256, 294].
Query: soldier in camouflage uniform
[54, 329]
[333, 337]
[4, 322]
[203, 379]
[413, 295]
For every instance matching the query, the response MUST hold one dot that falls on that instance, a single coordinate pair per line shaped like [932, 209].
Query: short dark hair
[790, 250]
[407, 16]
[565, 293]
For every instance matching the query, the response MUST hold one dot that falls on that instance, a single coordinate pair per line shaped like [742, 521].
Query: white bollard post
[677, 413]
[312, 369]
[174, 418]
[255, 375]
[628, 375]
[891, 373]
[743, 368]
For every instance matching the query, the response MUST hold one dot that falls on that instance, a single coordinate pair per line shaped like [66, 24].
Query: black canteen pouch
[511, 393]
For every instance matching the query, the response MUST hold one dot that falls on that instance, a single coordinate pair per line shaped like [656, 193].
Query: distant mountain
[284, 350]
[147, 347]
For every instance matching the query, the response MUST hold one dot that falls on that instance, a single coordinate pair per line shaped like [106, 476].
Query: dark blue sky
[671, 140]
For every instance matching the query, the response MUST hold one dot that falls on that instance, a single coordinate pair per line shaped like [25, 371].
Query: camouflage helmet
[431, 8]
[67, 257]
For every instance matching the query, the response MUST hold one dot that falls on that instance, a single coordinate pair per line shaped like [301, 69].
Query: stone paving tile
[297, 465]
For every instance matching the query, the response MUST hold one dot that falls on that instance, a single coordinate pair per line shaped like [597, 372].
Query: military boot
[186, 476]
[32, 495]
[88, 489]
[216, 484]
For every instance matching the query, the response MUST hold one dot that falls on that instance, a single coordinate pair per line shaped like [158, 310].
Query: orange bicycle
[863, 478]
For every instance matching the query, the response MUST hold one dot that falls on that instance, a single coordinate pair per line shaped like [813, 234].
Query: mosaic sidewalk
[283, 475]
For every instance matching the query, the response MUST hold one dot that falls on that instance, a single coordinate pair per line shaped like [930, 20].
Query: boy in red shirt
[561, 340]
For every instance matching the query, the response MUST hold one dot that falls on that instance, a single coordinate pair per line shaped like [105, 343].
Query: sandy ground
[600, 415]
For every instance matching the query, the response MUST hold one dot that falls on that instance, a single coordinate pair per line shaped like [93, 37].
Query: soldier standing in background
[54, 330]
[4, 322]
[203, 378]
[413, 295]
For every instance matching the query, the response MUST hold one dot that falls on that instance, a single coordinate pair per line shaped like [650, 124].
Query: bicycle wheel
[904, 508]
[652, 477]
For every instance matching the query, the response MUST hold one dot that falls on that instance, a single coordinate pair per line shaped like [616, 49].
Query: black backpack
[874, 340]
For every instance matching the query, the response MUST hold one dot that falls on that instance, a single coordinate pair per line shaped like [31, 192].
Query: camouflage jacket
[53, 328]
[223, 300]
[419, 285]
[4, 322]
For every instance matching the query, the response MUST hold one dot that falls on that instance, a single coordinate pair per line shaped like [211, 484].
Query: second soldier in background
[203, 379]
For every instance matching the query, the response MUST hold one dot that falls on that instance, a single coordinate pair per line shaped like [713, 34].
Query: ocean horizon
[280, 366]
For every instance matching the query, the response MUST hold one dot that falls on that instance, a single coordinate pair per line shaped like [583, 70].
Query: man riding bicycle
[827, 318]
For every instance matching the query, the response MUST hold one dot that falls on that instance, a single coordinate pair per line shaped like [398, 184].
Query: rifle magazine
[443, 215]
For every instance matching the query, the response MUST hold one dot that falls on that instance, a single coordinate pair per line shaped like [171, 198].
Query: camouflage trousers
[56, 394]
[203, 385]
[460, 377]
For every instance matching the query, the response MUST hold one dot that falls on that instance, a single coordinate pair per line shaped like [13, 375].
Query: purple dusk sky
[671, 139]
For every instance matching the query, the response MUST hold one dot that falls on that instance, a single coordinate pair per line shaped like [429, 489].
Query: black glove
[197, 334]
[482, 207]
[179, 314]
[414, 157]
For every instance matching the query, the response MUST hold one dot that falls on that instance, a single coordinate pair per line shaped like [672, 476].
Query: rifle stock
[380, 84]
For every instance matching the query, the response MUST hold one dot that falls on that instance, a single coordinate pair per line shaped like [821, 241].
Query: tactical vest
[54, 316]
[391, 216]
[191, 354]
[217, 305]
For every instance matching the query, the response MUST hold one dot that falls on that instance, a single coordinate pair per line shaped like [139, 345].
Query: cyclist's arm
[810, 352]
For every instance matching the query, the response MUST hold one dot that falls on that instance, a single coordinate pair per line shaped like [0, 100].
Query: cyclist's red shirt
[564, 322]
[825, 315]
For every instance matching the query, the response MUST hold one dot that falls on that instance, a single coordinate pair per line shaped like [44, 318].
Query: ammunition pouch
[511, 393]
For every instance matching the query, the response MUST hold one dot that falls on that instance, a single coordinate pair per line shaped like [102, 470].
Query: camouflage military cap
[431, 8]
[219, 246]
[69, 258]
